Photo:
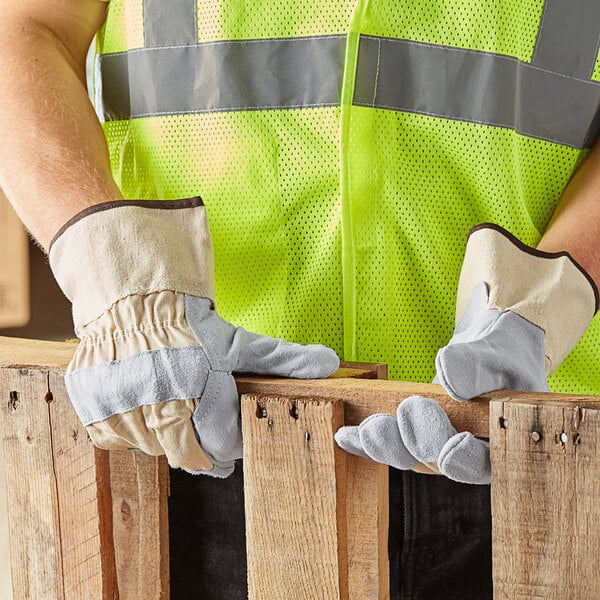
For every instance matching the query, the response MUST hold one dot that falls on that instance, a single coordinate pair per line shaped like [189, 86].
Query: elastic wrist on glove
[550, 290]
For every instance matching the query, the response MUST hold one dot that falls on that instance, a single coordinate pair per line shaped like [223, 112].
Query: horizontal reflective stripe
[220, 76]
[170, 23]
[568, 37]
[477, 87]
[401, 75]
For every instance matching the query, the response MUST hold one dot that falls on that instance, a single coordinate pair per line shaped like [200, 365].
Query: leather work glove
[519, 312]
[153, 369]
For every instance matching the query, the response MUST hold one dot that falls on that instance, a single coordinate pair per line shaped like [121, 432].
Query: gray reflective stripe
[473, 86]
[170, 23]
[119, 386]
[221, 76]
[568, 37]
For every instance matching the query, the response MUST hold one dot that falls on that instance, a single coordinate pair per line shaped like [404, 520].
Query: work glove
[519, 313]
[153, 369]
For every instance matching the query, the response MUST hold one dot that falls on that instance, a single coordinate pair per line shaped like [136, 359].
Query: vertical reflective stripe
[170, 23]
[568, 37]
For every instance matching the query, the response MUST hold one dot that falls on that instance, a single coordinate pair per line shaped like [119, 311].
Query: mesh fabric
[347, 227]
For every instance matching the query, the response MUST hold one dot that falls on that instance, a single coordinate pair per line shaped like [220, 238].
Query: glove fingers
[124, 431]
[424, 427]
[155, 429]
[271, 356]
[381, 440]
[466, 458]
[172, 424]
[347, 439]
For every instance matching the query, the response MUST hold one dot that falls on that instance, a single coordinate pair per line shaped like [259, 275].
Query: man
[344, 152]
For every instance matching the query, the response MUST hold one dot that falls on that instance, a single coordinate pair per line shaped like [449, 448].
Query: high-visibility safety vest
[344, 148]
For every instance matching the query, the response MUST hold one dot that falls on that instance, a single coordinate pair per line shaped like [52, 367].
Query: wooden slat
[32, 354]
[367, 509]
[546, 523]
[82, 480]
[53, 475]
[32, 487]
[363, 397]
[60, 504]
[139, 485]
[295, 499]
[367, 506]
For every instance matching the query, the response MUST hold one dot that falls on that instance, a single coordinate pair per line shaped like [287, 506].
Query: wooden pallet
[89, 524]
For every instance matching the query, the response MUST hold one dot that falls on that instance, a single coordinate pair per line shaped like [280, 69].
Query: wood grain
[61, 505]
[32, 354]
[545, 486]
[363, 397]
[34, 521]
[295, 499]
[140, 487]
[81, 474]
[54, 501]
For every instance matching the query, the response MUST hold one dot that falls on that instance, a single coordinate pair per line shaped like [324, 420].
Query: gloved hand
[519, 313]
[154, 367]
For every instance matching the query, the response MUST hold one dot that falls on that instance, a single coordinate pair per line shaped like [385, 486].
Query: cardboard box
[14, 268]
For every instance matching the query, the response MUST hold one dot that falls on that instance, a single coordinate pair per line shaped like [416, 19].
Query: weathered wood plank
[81, 474]
[546, 525]
[61, 507]
[295, 499]
[363, 397]
[139, 485]
[37, 569]
[35, 354]
[367, 508]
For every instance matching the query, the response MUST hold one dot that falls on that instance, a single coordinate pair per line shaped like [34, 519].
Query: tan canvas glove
[154, 367]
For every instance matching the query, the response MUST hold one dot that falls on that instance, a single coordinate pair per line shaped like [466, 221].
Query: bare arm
[575, 226]
[53, 155]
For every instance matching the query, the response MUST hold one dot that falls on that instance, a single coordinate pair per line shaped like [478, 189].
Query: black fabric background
[440, 538]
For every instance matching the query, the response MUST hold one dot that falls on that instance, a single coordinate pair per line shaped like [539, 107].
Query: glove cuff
[550, 290]
[116, 249]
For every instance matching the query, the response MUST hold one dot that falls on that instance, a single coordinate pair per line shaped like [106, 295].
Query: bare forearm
[53, 156]
[575, 226]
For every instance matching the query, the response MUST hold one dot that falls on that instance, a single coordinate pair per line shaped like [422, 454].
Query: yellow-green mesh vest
[344, 149]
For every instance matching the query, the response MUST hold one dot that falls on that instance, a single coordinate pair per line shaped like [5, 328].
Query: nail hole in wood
[294, 413]
[13, 400]
[261, 412]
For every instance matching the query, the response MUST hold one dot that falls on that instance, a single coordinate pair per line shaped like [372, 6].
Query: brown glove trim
[540, 253]
[161, 204]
